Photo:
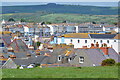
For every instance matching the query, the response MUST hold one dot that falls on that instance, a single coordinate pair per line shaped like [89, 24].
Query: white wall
[51, 29]
[26, 29]
[89, 41]
[116, 46]
[117, 29]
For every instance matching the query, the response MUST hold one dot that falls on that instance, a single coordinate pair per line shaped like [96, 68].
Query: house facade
[80, 40]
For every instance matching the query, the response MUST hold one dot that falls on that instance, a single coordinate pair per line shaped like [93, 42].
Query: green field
[62, 72]
[59, 18]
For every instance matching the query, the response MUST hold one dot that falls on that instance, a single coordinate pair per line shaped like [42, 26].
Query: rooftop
[117, 36]
[103, 36]
[78, 35]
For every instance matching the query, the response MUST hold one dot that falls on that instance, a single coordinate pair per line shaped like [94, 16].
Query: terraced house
[80, 40]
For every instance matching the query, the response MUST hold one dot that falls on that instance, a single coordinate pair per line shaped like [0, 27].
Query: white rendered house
[80, 40]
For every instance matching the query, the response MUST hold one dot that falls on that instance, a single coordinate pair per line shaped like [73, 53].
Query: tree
[22, 20]
[93, 22]
[64, 22]
[38, 44]
[48, 23]
[108, 62]
[118, 64]
[115, 23]
[42, 23]
[11, 20]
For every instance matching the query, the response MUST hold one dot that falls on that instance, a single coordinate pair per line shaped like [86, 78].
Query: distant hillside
[56, 8]
[58, 18]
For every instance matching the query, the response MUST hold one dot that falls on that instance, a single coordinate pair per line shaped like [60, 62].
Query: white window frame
[59, 58]
[69, 59]
[81, 59]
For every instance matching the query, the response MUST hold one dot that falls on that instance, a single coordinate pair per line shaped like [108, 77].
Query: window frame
[78, 41]
[85, 41]
[59, 58]
[81, 59]
[108, 41]
[101, 41]
[71, 40]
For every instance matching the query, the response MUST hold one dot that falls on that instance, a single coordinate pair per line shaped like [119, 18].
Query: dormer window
[81, 59]
[69, 59]
[59, 58]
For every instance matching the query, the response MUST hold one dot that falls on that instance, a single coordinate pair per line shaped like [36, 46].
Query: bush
[118, 64]
[38, 44]
[108, 62]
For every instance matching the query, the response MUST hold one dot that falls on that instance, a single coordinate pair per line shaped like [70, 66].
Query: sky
[59, 0]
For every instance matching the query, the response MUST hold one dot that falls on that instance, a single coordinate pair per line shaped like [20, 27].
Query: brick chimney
[92, 45]
[105, 50]
[28, 55]
[97, 45]
[12, 56]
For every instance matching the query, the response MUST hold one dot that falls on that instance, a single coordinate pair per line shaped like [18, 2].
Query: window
[85, 41]
[81, 59]
[101, 41]
[2, 45]
[59, 58]
[69, 59]
[78, 41]
[107, 41]
[71, 40]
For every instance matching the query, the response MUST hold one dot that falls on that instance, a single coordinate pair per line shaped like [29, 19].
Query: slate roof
[114, 55]
[96, 56]
[31, 60]
[93, 56]
[6, 39]
[9, 64]
[19, 45]
[102, 36]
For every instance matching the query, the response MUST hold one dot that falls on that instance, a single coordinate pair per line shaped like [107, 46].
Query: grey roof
[95, 55]
[102, 36]
[21, 55]
[113, 54]
[6, 39]
[31, 60]
[19, 45]
[9, 64]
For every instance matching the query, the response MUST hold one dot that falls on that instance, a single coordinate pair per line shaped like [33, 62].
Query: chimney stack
[92, 45]
[97, 45]
[28, 55]
[12, 56]
[105, 50]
